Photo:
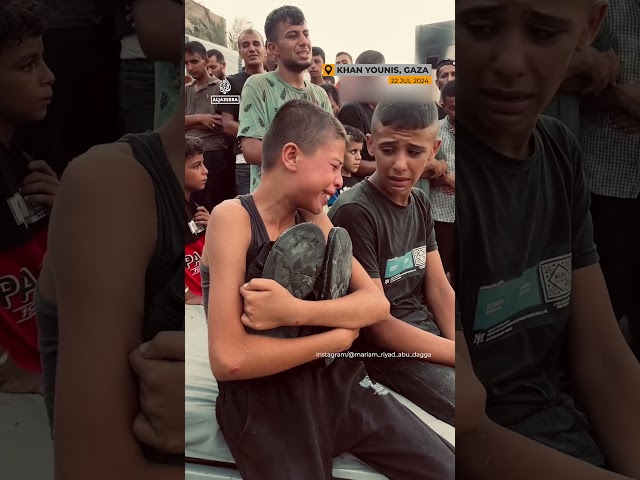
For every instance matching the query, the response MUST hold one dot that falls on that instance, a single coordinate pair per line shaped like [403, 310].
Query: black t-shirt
[441, 112]
[237, 81]
[522, 228]
[391, 242]
[358, 115]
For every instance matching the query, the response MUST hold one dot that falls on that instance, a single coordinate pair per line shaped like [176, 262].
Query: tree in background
[237, 27]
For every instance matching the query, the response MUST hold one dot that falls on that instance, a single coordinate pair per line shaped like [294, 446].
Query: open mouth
[507, 101]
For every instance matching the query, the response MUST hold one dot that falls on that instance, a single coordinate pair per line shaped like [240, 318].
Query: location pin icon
[328, 69]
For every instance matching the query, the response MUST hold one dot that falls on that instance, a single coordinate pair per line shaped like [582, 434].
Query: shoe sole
[336, 271]
[336, 267]
[295, 260]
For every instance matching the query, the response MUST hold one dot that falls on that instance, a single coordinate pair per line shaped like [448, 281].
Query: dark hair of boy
[303, 123]
[20, 19]
[192, 146]
[449, 90]
[330, 80]
[315, 51]
[344, 53]
[404, 115]
[195, 48]
[285, 14]
[370, 57]
[215, 53]
[354, 134]
[332, 91]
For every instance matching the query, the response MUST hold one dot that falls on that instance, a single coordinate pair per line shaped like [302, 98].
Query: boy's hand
[40, 186]
[625, 121]
[201, 217]
[267, 305]
[450, 187]
[349, 335]
[603, 70]
[209, 121]
[159, 365]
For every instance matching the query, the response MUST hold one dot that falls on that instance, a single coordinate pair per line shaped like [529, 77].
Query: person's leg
[375, 427]
[446, 238]
[274, 428]
[137, 95]
[243, 178]
[616, 225]
[431, 386]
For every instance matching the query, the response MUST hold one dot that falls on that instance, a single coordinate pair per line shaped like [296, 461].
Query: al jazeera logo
[396, 74]
[225, 88]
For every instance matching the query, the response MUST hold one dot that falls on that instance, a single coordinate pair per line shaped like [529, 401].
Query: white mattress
[203, 438]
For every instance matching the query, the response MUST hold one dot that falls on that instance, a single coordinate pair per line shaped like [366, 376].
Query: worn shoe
[336, 267]
[295, 262]
[336, 271]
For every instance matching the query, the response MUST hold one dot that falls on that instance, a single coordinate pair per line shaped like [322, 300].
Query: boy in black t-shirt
[252, 51]
[393, 237]
[548, 387]
[351, 162]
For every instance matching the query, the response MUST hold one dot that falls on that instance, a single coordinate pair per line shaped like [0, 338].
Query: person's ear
[289, 156]
[369, 144]
[273, 50]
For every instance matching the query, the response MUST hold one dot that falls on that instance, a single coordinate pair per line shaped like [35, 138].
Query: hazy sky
[348, 25]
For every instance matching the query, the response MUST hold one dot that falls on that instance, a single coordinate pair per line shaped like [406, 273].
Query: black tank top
[259, 246]
[164, 294]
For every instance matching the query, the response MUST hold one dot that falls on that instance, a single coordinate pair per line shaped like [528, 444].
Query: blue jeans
[137, 95]
[243, 178]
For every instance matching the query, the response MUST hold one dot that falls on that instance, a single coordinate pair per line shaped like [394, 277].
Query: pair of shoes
[300, 261]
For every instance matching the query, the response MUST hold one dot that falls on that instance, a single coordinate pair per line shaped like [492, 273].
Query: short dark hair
[216, 53]
[249, 30]
[332, 91]
[370, 57]
[285, 14]
[318, 51]
[303, 123]
[405, 114]
[195, 48]
[444, 63]
[449, 90]
[330, 80]
[192, 146]
[354, 134]
[345, 53]
[20, 19]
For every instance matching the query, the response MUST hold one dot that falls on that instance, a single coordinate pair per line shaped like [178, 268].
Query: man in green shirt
[264, 94]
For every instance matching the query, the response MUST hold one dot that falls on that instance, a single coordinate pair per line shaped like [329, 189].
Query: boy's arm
[229, 125]
[439, 295]
[398, 336]
[233, 353]
[605, 371]
[252, 126]
[488, 451]
[364, 305]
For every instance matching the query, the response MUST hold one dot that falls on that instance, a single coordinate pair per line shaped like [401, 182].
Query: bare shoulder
[103, 193]
[229, 220]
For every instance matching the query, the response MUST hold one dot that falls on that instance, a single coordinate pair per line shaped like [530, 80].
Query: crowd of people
[294, 153]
